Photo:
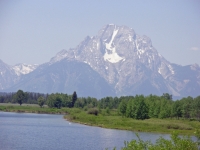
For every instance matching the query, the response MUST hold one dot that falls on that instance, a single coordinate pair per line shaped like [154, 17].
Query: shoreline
[32, 108]
[164, 130]
[101, 126]
[36, 112]
[112, 120]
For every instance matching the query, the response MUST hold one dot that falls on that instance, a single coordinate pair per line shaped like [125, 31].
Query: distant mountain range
[115, 62]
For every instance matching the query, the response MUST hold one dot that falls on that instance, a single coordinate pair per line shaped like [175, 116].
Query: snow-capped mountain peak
[22, 69]
[126, 62]
[110, 51]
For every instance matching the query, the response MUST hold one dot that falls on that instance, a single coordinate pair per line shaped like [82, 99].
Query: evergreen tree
[74, 98]
[167, 96]
[58, 102]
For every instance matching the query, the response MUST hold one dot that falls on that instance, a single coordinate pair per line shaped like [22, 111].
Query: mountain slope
[115, 61]
[7, 76]
[10, 75]
[130, 64]
[66, 77]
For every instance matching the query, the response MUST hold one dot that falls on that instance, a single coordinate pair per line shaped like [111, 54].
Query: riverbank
[32, 108]
[109, 119]
[113, 121]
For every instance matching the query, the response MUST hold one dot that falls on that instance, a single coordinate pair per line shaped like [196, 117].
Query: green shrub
[76, 110]
[172, 126]
[107, 110]
[175, 143]
[93, 111]
[192, 119]
[85, 108]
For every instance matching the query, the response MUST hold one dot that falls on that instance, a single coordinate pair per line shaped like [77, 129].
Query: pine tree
[74, 98]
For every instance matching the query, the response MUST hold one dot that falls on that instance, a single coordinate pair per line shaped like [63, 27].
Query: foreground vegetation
[175, 143]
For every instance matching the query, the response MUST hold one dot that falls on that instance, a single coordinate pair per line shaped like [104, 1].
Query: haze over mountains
[115, 62]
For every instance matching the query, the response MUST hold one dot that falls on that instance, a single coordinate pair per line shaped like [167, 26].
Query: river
[26, 131]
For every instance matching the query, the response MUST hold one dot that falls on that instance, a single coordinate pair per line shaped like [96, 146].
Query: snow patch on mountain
[130, 38]
[171, 69]
[159, 71]
[24, 68]
[111, 54]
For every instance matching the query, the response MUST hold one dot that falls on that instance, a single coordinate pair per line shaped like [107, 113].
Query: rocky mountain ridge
[10, 75]
[127, 62]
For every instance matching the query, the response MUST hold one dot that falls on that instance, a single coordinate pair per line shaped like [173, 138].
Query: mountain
[22, 69]
[7, 76]
[65, 76]
[124, 62]
[131, 65]
[10, 75]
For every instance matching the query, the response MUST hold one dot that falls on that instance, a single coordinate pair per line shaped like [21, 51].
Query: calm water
[24, 131]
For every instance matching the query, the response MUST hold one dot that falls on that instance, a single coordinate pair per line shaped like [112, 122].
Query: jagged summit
[59, 56]
[112, 42]
[127, 63]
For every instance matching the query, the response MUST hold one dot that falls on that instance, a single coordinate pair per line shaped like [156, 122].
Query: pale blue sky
[33, 31]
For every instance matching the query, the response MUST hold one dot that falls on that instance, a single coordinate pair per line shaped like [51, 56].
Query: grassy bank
[31, 108]
[113, 121]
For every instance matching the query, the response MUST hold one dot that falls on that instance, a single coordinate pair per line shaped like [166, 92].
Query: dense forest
[137, 107]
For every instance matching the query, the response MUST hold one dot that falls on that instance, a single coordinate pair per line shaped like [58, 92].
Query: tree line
[137, 107]
[30, 97]
[152, 106]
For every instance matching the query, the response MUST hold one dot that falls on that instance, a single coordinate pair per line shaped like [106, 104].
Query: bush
[107, 110]
[172, 126]
[175, 143]
[85, 108]
[93, 111]
[192, 119]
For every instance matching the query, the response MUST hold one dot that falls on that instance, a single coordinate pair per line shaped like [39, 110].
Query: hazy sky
[33, 31]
